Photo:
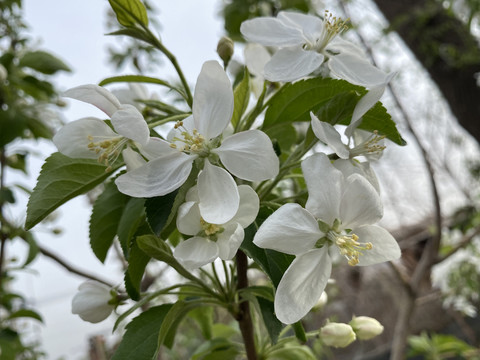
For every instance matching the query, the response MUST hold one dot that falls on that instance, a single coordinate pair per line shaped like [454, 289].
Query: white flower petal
[192, 194]
[72, 139]
[384, 246]
[132, 159]
[157, 177]
[356, 70]
[327, 134]
[324, 184]
[218, 194]
[291, 230]
[302, 285]
[91, 301]
[293, 63]
[128, 122]
[256, 56]
[195, 252]
[269, 31]
[188, 218]
[311, 26]
[349, 167]
[361, 204]
[249, 155]
[156, 148]
[95, 95]
[230, 240]
[248, 207]
[212, 100]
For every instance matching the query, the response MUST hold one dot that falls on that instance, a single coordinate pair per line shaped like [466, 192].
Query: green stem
[178, 117]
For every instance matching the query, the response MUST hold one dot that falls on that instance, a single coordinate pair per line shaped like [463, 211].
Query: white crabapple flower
[305, 42]
[249, 155]
[337, 219]
[210, 241]
[93, 302]
[92, 138]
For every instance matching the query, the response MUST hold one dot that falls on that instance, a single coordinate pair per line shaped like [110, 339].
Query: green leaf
[158, 210]
[285, 136]
[265, 292]
[105, 218]
[129, 12]
[138, 79]
[216, 349]
[137, 263]
[332, 100]
[155, 247]
[299, 331]
[25, 313]
[241, 96]
[135, 33]
[140, 339]
[179, 310]
[273, 325]
[132, 216]
[33, 249]
[61, 179]
[204, 318]
[43, 62]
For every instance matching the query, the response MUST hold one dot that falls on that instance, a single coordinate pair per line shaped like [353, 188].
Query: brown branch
[244, 317]
[71, 268]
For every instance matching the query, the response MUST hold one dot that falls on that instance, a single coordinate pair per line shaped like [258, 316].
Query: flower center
[371, 146]
[332, 26]
[349, 246]
[210, 230]
[108, 149]
[190, 143]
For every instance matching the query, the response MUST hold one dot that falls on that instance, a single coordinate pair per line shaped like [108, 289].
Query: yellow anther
[173, 146]
[349, 246]
[209, 229]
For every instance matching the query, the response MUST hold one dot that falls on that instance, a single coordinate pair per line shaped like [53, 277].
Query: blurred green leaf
[241, 96]
[25, 313]
[43, 62]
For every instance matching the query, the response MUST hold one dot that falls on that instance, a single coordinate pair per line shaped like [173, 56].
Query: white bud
[366, 327]
[91, 302]
[337, 335]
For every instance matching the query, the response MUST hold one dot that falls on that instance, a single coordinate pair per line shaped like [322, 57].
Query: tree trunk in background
[447, 50]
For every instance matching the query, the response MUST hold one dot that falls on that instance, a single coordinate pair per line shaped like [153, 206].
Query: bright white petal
[271, 32]
[95, 95]
[195, 252]
[324, 184]
[291, 230]
[384, 246]
[212, 100]
[361, 204]
[311, 26]
[302, 285]
[218, 194]
[91, 301]
[156, 148]
[290, 64]
[192, 194]
[188, 218]
[349, 167]
[249, 155]
[132, 159]
[229, 241]
[356, 70]
[327, 134]
[256, 56]
[248, 207]
[129, 123]
[157, 177]
[73, 138]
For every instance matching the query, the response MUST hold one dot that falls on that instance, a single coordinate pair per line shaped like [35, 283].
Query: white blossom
[91, 302]
[92, 138]
[248, 155]
[337, 218]
[210, 241]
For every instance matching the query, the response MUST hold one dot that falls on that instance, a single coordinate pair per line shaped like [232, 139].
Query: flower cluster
[343, 205]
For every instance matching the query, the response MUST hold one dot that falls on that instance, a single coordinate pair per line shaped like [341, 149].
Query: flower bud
[92, 302]
[366, 327]
[337, 335]
[225, 49]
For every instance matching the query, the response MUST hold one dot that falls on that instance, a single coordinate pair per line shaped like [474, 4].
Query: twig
[244, 317]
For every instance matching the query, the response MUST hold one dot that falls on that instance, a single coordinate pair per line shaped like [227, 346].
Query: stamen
[371, 146]
[349, 246]
[210, 230]
[108, 150]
